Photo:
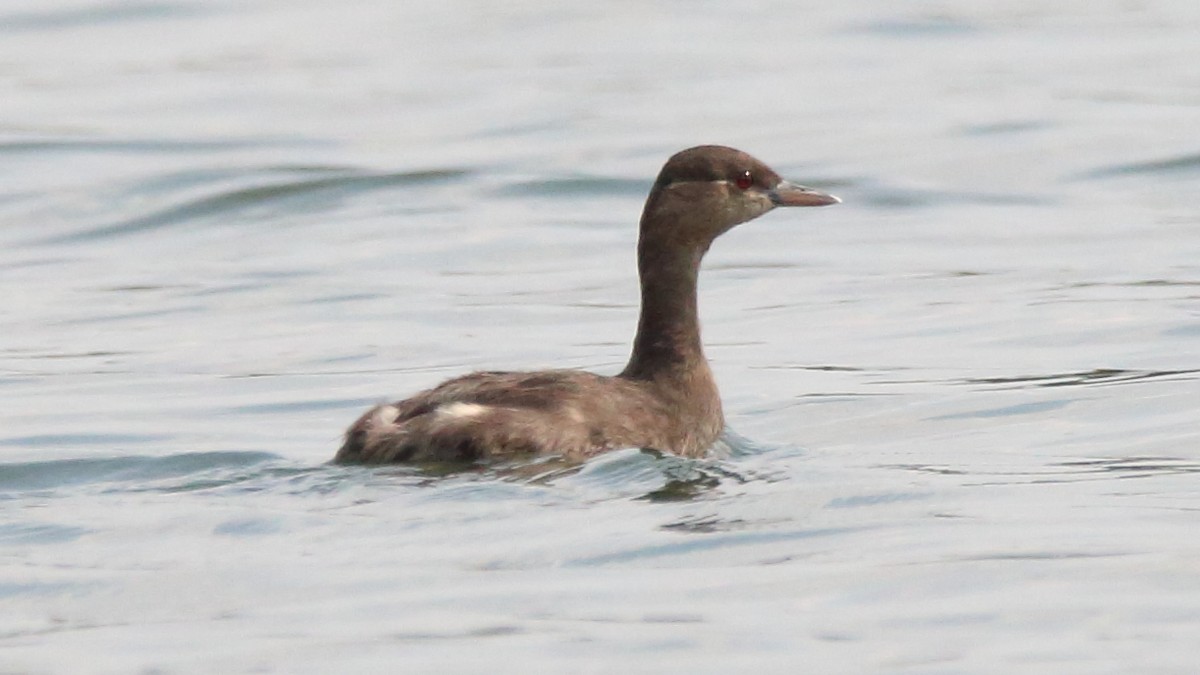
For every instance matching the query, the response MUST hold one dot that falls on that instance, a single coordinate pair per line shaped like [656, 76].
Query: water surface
[965, 399]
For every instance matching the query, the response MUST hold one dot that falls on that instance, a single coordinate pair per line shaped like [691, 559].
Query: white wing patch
[460, 410]
[385, 415]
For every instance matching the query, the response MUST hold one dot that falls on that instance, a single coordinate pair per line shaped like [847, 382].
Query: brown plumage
[665, 398]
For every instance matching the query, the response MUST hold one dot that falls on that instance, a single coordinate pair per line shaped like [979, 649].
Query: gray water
[965, 400]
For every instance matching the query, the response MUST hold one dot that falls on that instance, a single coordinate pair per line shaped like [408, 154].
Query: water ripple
[245, 198]
[1073, 470]
[1125, 466]
[136, 469]
[42, 146]
[1097, 376]
[631, 473]
[575, 187]
[708, 542]
[1154, 167]
[871, 192]
[106, 13]
[39, 533]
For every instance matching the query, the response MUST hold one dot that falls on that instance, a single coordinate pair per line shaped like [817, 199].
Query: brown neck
[668, 334]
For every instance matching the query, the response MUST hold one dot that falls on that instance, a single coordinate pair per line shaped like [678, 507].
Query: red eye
[744, 181]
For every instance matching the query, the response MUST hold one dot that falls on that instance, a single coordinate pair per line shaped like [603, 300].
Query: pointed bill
[790, 194]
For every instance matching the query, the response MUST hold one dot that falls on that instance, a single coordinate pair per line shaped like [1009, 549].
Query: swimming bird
[665, 399]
